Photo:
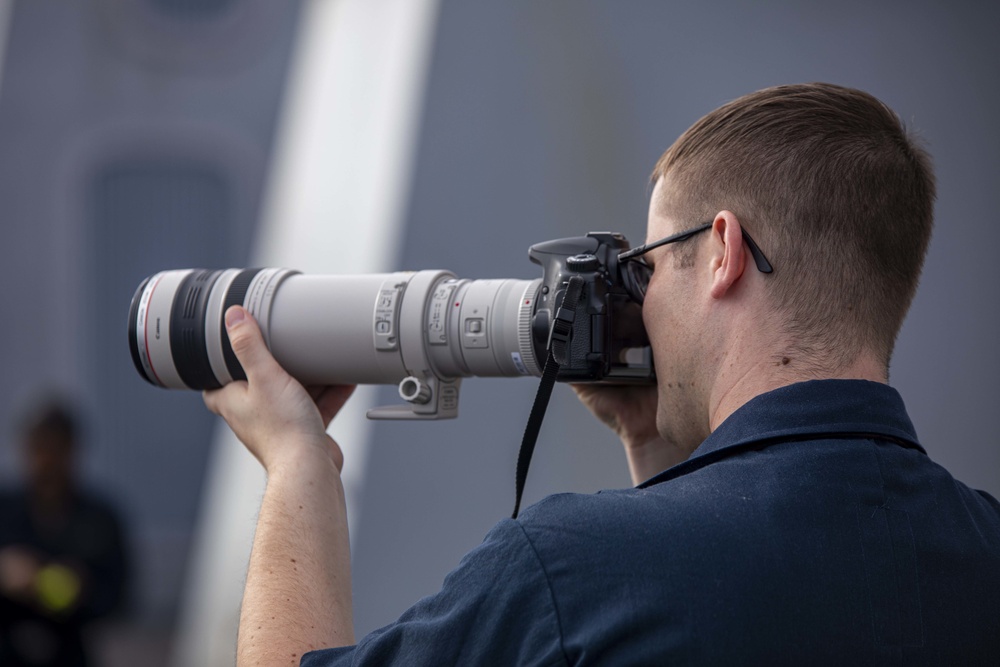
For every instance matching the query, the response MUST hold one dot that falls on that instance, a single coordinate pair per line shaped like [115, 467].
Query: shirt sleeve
[495, 608]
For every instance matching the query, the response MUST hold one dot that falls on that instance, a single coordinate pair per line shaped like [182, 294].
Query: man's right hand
[630, 411]
[270, 412]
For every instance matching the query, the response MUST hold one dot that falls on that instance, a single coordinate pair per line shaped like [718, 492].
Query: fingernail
[233, 317]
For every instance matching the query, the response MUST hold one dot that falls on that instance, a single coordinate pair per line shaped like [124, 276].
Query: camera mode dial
[583, 262]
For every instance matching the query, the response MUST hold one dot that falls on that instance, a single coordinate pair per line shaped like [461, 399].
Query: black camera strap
[557, 349]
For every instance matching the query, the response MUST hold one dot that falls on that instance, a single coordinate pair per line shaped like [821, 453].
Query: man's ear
[729, 257]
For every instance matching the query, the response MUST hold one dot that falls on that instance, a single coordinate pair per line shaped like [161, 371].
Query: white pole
[335, 203]
[6, 7]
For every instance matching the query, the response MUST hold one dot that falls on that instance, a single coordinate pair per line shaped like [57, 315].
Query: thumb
[248, 343]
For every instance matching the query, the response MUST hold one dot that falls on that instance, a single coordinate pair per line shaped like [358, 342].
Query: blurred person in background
[62, 555]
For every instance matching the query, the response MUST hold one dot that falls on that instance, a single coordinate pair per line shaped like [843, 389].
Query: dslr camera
[423, 331]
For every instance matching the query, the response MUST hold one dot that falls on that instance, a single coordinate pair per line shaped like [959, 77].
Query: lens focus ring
[187, 330]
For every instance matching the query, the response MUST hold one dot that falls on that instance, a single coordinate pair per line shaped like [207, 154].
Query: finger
[217, 399]
[332, 399]
[248, 344]
[587, 393]
[211, 398]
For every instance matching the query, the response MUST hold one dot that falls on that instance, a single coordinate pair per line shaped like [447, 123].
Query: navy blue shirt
[809, 528]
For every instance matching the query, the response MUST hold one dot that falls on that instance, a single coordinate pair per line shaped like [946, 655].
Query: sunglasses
[635, 272]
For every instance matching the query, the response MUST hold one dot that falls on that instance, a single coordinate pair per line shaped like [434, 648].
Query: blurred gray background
[137, 135]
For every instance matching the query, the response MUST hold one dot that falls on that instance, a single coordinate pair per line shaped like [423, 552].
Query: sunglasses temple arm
[763, 265]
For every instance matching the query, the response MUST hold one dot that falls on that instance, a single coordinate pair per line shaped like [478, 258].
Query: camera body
[423, 331]
[608, 341]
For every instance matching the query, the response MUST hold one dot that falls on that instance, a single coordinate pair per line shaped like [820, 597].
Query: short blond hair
[835, 191]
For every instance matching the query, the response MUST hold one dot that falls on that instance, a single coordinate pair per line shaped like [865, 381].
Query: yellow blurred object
[58, 587]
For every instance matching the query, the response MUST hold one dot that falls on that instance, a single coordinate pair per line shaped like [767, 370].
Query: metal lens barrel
[327, 329]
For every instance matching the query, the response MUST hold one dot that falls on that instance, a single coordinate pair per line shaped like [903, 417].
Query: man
[785, 512]
[62, 552]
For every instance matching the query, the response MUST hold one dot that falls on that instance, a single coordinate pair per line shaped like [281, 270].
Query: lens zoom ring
[234, 297]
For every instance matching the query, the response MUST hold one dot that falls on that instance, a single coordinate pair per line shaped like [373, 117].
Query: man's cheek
[653, 320]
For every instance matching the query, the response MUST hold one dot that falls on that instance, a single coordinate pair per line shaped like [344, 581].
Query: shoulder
[99, 514]
[11, 495]
[13, 501]
[621, 512]
[571, 534]
[97, 503]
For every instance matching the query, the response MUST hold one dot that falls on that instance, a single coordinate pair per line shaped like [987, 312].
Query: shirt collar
[816, 407]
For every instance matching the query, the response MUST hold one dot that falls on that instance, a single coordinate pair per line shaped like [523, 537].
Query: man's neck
[737, 384]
